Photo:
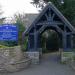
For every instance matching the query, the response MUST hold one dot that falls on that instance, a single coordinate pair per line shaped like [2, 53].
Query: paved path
[48, 66]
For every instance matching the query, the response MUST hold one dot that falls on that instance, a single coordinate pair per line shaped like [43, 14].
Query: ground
[49, 65]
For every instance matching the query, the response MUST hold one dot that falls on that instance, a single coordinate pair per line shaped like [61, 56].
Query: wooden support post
[64, 42]
[71, 41]
[35, 39]
[31, 42]
[39, 40]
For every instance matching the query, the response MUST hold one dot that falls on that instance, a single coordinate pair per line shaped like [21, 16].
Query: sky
[10, 7]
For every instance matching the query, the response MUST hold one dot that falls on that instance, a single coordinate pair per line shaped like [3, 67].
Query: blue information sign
[8, 32]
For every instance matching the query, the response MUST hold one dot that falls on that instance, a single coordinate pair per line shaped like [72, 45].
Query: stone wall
[12, 59]
[66, 57]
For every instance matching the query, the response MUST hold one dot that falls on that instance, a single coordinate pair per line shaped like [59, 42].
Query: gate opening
[50, 41]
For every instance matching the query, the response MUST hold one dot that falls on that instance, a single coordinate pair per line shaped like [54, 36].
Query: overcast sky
[10, 7]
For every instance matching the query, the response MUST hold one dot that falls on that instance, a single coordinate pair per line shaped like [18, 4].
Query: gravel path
[49, 66]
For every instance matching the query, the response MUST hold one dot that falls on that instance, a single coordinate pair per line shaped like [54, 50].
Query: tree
[20, 23]
[0, 11]
[1, 19]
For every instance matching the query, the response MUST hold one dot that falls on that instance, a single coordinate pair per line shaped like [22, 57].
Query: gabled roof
[56, 11]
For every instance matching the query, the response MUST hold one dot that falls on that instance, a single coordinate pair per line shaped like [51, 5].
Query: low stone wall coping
[23, 61]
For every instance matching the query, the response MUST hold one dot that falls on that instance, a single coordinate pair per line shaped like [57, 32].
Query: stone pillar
[34, 56]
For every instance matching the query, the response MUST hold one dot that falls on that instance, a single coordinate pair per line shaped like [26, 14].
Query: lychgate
[50, 18]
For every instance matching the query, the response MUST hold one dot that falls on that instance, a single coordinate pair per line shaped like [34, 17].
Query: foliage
[1, 19]
[21, 27]
[3, 46]
[8, 43]
[1, 11]
[25, 43]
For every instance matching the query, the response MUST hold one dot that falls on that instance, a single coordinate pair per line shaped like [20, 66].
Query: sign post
[8, 32]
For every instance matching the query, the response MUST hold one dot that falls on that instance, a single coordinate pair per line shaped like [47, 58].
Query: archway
[50, 41]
